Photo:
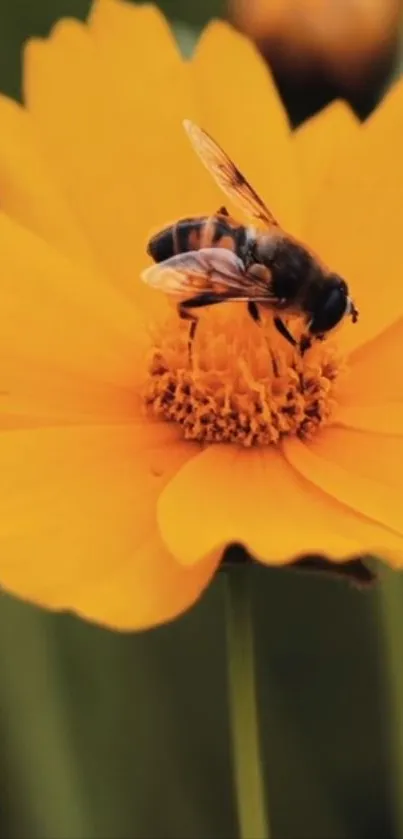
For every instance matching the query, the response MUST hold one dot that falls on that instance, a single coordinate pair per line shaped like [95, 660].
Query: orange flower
[107, 508]
[346, 40]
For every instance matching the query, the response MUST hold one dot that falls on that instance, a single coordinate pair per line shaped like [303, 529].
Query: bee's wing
[213, 270]
[227, 176]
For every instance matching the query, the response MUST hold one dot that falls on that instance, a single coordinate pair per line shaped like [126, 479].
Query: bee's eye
[330, 310]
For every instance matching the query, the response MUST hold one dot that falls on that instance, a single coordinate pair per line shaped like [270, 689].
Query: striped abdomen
[192, 234]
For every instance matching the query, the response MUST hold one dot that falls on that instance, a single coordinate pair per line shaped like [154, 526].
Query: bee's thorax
[296, 276]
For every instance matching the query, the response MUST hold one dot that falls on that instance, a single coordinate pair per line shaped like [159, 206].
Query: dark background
[107, 735]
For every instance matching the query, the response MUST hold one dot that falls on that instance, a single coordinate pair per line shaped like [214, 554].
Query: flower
[348, 43]
[107, 509]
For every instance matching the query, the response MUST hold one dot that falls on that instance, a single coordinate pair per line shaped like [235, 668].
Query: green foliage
[128, 735]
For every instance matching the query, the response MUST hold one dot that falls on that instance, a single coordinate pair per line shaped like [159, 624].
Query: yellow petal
[242, 110]
[150, 589]
[381, 419]
[109, 111]
[153, 96]
[374, 370]
[152, 103]
[370, 396]
[71, 347]
[361, 470]
[318, 142]
[256, 498]
[355, 222]
[28, 187]
[78, 522]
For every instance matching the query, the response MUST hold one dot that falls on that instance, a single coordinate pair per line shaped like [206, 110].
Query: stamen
[245, 385]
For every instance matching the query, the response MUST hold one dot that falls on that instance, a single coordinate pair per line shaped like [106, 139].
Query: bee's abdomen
[192, 234]
[161, 246]
[177, 238]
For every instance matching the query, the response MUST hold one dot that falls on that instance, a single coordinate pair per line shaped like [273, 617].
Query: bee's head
[332, 305]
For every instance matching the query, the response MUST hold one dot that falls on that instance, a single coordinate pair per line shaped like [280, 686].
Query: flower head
[348, 42]
[125, 472]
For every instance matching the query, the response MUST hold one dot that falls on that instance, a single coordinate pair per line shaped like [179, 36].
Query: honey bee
[214, 259]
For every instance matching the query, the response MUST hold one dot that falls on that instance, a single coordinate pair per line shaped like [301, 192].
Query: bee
[206, 260]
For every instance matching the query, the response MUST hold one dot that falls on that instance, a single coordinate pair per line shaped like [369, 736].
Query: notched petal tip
[65, 25]
[218, 28]
[36, 50]
[111, 15]
[337, 113]
[223, 36]
[354, 570]
[122, 6]
[30, 48]
[59, 28]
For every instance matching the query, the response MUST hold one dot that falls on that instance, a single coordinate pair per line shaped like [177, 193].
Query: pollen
[243, 383]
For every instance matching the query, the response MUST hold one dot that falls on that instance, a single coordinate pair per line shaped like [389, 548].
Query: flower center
[244, 383]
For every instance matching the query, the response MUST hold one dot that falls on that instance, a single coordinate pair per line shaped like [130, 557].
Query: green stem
[252, 813]
[391, 607]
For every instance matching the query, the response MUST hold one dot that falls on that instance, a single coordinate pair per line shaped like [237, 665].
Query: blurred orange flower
[345, 41]
[107, 508]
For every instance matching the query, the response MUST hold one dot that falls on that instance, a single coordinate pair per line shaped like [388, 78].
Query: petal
[152, 588]
[317, 142]
[28, 188]
[355, 221]
[78, 530]
[374, 370]
[361, 470]
[70, 346]
[166, 173]
[381, 419]
[370, 396]
[243, 111]
[109, 111]
[153, 98]
[256, 498]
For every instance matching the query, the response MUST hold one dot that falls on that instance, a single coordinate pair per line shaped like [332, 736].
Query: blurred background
[126, 736]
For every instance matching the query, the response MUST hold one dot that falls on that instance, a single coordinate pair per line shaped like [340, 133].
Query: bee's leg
[307, 341]
[253, 311]
[305, 344]
[204, 299]
[282, 329]
[222, 212]
[184, 314]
